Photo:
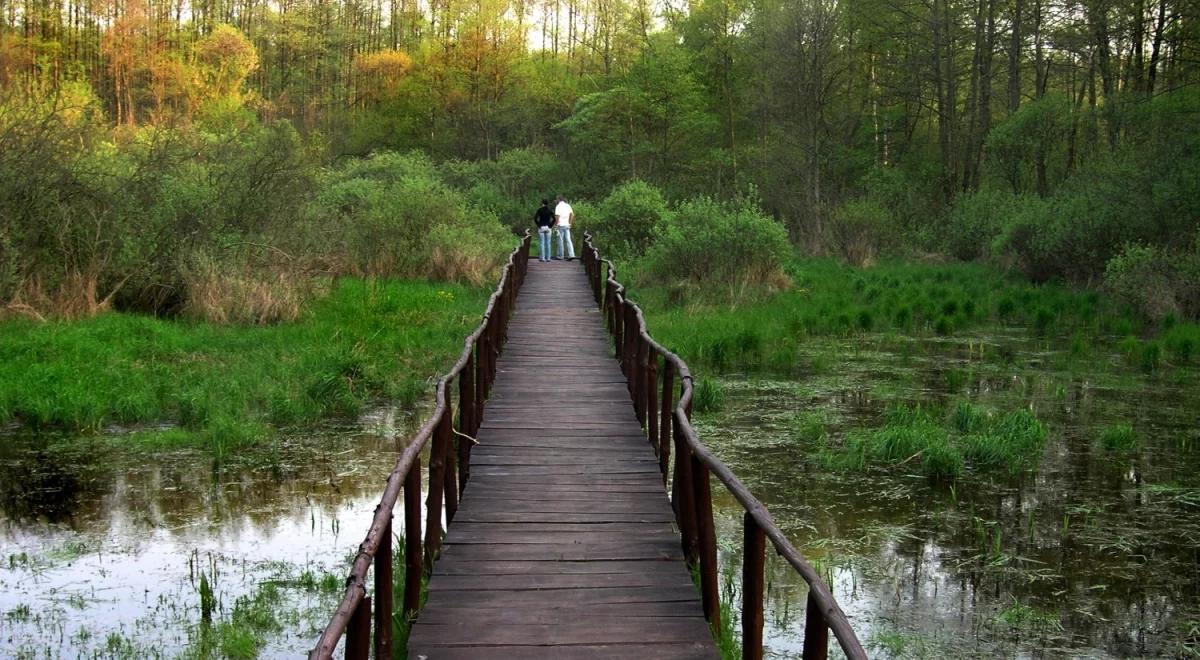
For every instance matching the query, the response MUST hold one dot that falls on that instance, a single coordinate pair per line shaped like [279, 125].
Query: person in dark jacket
[544, 219]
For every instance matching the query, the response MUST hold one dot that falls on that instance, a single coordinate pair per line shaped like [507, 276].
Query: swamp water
[109, 554]
[1094, 553]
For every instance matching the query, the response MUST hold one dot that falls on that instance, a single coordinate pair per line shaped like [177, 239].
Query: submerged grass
[943, 444]
[225, 386]
[1118, 437]
[833, 299]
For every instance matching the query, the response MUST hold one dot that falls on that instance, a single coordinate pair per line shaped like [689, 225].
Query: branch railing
[651, 371]
[449, 471]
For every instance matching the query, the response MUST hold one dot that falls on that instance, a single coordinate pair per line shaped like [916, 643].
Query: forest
[1055, 138]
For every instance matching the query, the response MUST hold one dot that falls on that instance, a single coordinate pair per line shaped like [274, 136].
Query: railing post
[664, 438]
[816, 630]
[412, 540]
[709, 593]
[466, 419]
[629, 354]
[449, 484]
[754, 545]
[652, 399]
[684, 496]
[596, 267]
[433, 496]
[383, 595]
[480, 383]
[638, 376]
[358, 632]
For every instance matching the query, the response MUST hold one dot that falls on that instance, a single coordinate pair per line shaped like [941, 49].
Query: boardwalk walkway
[563, 545]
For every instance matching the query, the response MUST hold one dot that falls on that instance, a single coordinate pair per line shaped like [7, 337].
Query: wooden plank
[456, 566]
[666, 651]
[566, 633]
[553, 581]
[560, 612]
[575, 552]
[519, 600]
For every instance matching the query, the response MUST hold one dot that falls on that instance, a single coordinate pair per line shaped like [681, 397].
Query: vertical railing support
[754, 545]
[413, 568]
[466, 417]
[664, 433]
[709, 594]
[383, 595]
[639, 374]
[816, 630]
[358, 632]
[684, 496]
[433, 497]
[652, 399]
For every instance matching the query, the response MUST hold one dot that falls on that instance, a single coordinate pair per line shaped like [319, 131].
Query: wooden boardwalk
[564, 544]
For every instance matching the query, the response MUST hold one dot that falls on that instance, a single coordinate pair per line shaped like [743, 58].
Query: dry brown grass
[76, 296]
[246, 294]
[472, 266]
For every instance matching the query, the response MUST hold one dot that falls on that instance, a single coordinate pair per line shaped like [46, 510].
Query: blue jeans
[564, 233]
[544, 246]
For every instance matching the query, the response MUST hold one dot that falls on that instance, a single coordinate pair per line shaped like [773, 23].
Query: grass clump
[708, 396]
[944, 445]
[1118, 437]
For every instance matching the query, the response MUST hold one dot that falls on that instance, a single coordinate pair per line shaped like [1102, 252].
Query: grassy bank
[227, 385]
[827, 298]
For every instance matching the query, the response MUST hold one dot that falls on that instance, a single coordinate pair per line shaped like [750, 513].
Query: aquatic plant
[1118, 436]
[969, 436]
[708, 396]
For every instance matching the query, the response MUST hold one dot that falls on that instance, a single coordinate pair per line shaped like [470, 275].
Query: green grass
[228, 386]
[1118, 437]
[709, 396]
[943, 445]
[832, 299]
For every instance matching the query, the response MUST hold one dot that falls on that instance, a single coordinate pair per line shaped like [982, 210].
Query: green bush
[389, 215]
[707, 243]
[1157, 282]
[860, 229]
[624, 223]
[977, 219]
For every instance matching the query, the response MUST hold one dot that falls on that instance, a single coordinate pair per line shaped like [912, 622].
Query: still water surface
[1095, 553]
[101, 552]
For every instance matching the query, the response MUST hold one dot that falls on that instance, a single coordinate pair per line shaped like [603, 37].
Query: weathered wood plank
[666, 651]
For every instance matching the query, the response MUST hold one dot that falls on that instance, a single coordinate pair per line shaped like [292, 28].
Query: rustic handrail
[475, 370]
[668, 424]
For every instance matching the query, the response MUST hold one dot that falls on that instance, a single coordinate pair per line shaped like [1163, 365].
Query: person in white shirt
[564, 215]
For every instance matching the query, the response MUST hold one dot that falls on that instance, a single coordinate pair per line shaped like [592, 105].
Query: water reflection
[1095, 554]
[102, 550]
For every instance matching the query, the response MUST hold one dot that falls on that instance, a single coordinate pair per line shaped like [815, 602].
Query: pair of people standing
[558, 221]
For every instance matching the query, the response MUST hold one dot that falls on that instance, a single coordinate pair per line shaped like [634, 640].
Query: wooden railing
[474, 373]
[651, 370]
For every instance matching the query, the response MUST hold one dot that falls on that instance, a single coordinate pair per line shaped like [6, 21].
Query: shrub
[389, 215]
[860, 229]
[976, 220]
[1153, 281]
[707, 243]
[624, 222]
